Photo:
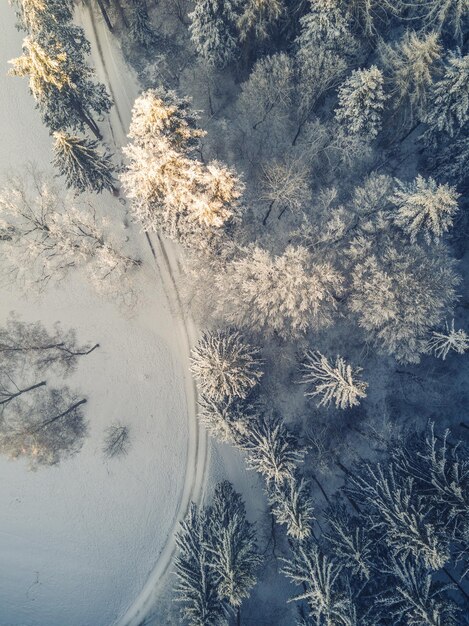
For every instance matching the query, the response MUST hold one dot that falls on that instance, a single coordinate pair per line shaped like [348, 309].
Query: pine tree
[441, 343]
[61, 82]
[402, 512]
[233, 547]
[36, 15]
[257, 17]
[224, 420]
[292, 506]
[320, 577]
[424, 208]
[416, 598]
[214, 32]
[286, 294]
[84, 167]
[225, 366]
[197, 587]
[361, 102]
[339, 383]
[412, 63]
[450, 15]
[139, 24]
[448, 107]
[326, 26]
[271, 449]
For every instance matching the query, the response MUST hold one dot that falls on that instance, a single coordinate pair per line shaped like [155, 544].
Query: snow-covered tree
[402, 512]
[416, 598]
[401, 295]
[350, 542]
[412, 62]
[286, 294]
[271, 449]
[85, 168]
[269, 90]
[139, 24]
[318, 73]
[225, 365]
[326, 25]
[448, 105]
[319, 575]
[424, 208]
[116, 441]
[31, 344]
[361, 102]
[256, 17]
[449, 15]
[224, 420]
[47, 234]
[450, 162]
[170, 191]
[36, 15]
[233, 548]
[292, 506]
[285, 184]
[197, 589]
[61, 82]
[339, 383]
[441, 343]
[45, 428]
[214, 31]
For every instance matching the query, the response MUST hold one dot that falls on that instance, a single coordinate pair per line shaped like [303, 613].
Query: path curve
[123, 87]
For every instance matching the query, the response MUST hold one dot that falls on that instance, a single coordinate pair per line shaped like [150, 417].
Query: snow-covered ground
[80, 541]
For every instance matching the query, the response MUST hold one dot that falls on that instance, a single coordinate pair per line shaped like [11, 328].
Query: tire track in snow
[197, 449]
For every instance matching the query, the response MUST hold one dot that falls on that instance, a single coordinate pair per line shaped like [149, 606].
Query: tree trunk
[57, 417]
[238, 616]
[20, 392]
[105, 15]
[266, 216]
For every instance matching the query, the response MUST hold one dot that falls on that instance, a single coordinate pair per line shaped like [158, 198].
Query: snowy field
[79, 541]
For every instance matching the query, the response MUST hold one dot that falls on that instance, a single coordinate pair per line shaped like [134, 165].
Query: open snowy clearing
[79, 541]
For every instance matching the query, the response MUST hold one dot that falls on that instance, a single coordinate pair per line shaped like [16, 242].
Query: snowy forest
[304, 166]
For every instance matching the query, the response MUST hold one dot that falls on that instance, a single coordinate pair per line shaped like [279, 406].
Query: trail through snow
[123, 87]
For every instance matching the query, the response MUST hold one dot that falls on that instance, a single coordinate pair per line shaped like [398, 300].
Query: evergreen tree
[61, 82]
[424, 208]
[197, 588]
[326, 25]
[214, 32]
[339, 384]
[412, 63]
[225, 366]
[292, 506]
[257, 17]
[233, 547]
[449, 15]
[361, 102]
[139, 24]
[83, 166]
[448, 107]
[36, 15]
[271, 449]
[441, 343]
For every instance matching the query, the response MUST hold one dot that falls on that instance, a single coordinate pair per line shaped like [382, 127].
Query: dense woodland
[309, 159]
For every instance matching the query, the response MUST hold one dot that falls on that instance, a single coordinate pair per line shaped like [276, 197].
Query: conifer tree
[424, 208]
[225, 366]
[292, 506]
[214, 32]
[445, 15]
[448, 107]
[84, 167]
[61, 82]
[412, 63]
[339, 384]
[233, 547]
[139, 24]
[441, 343]
[36, 15]
[361, 102]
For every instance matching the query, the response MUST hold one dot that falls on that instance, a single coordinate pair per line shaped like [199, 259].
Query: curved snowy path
[123, 87]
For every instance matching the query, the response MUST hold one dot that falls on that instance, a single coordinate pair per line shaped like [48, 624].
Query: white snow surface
[80, 541]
